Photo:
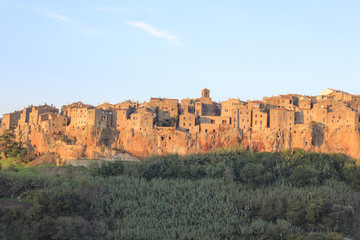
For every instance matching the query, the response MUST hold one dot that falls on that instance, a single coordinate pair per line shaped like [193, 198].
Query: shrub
[108, 169]
[304, 176]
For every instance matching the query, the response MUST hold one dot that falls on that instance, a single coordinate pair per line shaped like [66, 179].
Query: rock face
[96, 143]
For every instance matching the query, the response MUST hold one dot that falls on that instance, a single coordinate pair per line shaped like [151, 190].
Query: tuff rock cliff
[96, 143]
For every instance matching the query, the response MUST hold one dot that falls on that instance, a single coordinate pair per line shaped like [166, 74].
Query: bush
[255, 174]
[304, 176]
[108, 169]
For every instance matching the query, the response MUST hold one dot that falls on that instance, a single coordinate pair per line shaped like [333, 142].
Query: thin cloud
[46, 13]
[53, 15]
[71, 23]
[150, 29]
[112, 9]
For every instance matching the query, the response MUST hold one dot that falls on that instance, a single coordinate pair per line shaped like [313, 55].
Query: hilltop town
[163, 125]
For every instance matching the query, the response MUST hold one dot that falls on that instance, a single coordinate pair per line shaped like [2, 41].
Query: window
[255, 122]
[260, 122]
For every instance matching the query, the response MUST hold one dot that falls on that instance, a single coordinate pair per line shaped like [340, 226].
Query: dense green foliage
[9, 148]
[230, 194]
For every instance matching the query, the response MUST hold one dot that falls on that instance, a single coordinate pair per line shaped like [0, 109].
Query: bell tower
[205, 93]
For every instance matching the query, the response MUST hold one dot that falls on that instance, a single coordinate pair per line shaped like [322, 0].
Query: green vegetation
[11, 152]
[69, 141]
[226, 194]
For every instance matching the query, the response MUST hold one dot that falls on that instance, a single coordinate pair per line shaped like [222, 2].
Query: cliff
[310, 138]
[97, 143]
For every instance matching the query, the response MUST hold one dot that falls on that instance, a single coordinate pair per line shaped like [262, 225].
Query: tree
[255, 174]
[8, 146]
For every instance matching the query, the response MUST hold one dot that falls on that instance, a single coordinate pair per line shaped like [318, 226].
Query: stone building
[142, 121]
[166, 109]
[106, 106]
[10, 120]
[81, 116]
[34, 114]
[66, 109]
[187, 106]
[342, 116]
[122, 116]
[255, 104]
[25, 116]
[53, 124]
[85, 116]
[187, 121]
[104, 118]
[245, 118]
[204, 106]
[259, 120]
[327, 91]
[281, 101]
[304, 104]
[236, 110]
[281, 119]
[317, 114]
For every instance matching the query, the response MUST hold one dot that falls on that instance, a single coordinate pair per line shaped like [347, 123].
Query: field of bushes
[226, 194]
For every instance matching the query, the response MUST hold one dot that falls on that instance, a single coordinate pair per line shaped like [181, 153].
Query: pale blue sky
[68, 50]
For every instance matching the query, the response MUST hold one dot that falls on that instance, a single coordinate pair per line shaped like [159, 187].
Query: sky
[63, 51]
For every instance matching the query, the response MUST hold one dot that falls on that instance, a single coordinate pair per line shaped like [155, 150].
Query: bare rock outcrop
[97, 143]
